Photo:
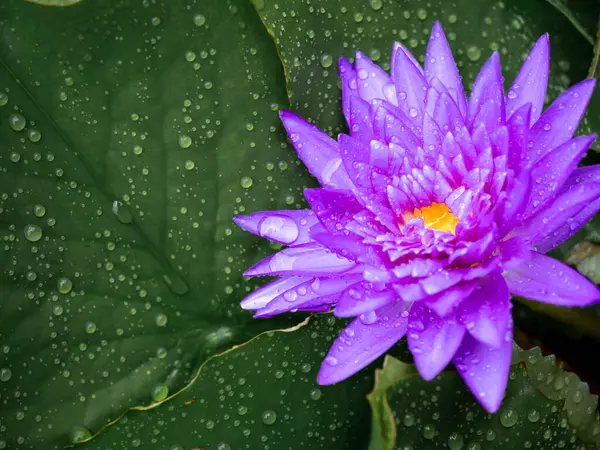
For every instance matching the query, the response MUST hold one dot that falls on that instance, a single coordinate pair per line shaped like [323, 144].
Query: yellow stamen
[436, 216]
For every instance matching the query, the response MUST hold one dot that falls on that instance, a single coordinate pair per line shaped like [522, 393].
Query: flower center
[436, 216]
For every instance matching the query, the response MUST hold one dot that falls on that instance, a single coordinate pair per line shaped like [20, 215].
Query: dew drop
[326, 60]
[474, 53]
[185, 141]
[64, 285]
[34, 135]
[16, 121]
[5, 374]
[190, 56]
[269, 417]
[33, 233]
[3, 99]
[246, 182]
[199, 20]
[189, 164]
[509, 417]
[39, 210]
[138, 149]
[90, 328]
[429, 431]
[79, 434]
[315, 394]
[161, 319]
[122, 212]
[533, 415]
[455, 441]
[376, 4]
[159, 393]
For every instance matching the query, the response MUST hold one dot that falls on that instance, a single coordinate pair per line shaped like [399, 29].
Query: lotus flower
[433, 210]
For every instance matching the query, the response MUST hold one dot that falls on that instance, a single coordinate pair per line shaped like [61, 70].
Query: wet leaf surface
[544, 407]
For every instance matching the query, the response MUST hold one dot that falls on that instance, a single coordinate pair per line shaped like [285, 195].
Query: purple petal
[349, 85]
[518, 132]
[363, 341]
[485, 369]
[486, 104]
[263, 295]
[285, 227]
[486, 312]
[318, 152]
[569, 227]
[560, 219]
[359, 299]
[546, 280]
[410, 84]
[314, 292]
[432, 340]
[550, 172]
[439, 63]
[559, 122]
[445, 302]
[372, 81]
[333, 208]
[307, 259]
[531, 82]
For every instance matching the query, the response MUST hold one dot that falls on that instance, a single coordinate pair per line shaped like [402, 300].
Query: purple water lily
[432, 211]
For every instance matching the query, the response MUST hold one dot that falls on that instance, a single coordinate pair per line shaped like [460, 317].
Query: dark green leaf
[267, 398]
[544, 407]
[131, 132]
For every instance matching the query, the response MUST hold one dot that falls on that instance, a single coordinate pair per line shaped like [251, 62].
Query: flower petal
[318, 152]
[372, 81]
[286, 227]
[559, 122]
[363, 341]
[307, 259]
[485, 369]
[349, 85]
[359, 299]
[445, 302]
[410, 84]
[571, 209]
[486, 312]
[432, 340]
[550, 173]
[531, 82]
[546, 280]
[263, 295]
[439, 63]
[334, 208]
[486, 103]
[312, 292]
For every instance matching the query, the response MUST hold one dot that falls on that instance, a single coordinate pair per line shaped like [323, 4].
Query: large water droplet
[33, 233]
[159, 393]
[473, 53]
[509, 417]
[64, 285]
[269, 417]
[122, 212]
[79, 434]
[16, 121]
[185, 141]
[5, 374]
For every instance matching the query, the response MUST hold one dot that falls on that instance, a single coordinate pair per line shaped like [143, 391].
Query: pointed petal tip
[239, 220]
[437, 27]
[490, 404]
[327, 376]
